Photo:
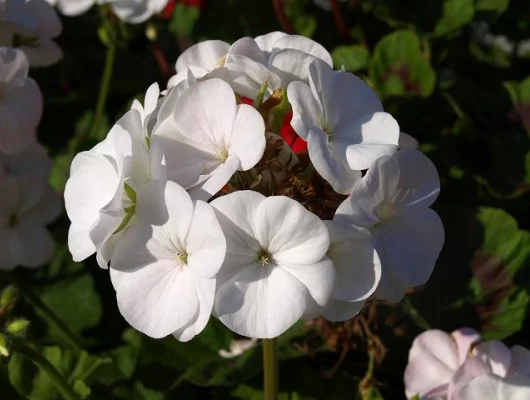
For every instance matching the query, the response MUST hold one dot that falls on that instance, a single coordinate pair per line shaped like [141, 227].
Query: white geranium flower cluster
[200, 207]
[27, 201]
[131, 11]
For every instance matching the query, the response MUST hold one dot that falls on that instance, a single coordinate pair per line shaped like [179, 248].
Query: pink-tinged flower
[434, 358]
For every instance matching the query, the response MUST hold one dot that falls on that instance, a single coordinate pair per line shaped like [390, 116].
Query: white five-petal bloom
[30, 26]
[275, 265]
[27, 205]
[20, 102]
[343, 123]
[164, 267]
[357, 270]
[392, 200]
[209, 138]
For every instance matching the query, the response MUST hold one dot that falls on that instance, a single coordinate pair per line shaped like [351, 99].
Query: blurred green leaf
[498, 6]
[456, 13]
[352, 58]
[398, 66]
[184, 19]
[501, 269]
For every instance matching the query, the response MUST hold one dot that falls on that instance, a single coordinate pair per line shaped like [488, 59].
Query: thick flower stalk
[200, 207]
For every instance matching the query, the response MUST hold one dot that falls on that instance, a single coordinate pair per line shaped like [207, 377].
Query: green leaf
[184, 19]
[456, 13]
[73, 297]
[499, 6]
[501, 272]
[398, 66]
[352, 58]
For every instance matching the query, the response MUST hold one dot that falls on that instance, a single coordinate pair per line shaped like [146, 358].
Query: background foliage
[455, 74]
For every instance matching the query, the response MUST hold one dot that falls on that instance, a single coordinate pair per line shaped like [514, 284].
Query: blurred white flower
[137, 11]
[238, 347]
[30, 25]
[275, 265]
[164, 267]
[392, 200]
[27, 205]
[434, 358]
[490, 387]
[357, 270]
[209, 138]
[455, 366]
[20, 102]
[32, 161]
[343, 122]
[72, 8]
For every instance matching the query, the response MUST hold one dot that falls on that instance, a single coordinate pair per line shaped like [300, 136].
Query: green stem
[40, 361]
[104, 87]
[414, 314]
[25, 288]
[270, 369]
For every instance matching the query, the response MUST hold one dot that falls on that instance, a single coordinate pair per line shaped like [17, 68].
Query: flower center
[221, 61]
[182, 258]
[264, 258]
[222, 155]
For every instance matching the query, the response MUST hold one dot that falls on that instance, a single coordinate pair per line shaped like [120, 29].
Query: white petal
[217, 179]
[520, 361]
[205, 242]
[407, 142]
[357, 264]
[290, 233]
[73, 8]
[338, 311]
[260, 302]
[267, 42]
[151, 98]
[236, 213]
[45, 54]
[205, 54]
[291, 65]
[345, 98]
[361, 156]
[489, 387]
[408, 245]
[318, 278]
[79, 242]
[337, 172]
[206, 293]
[247, 139]
[306, 45]
[158, 299]
[31, 245]
[247, 47]
[496, 354]
[307, 111]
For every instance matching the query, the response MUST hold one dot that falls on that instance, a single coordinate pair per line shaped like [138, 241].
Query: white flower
[30, 25]
[33, 161]
[20, 102]
[357, 270]
[27, 205]
[210, 138]
[343, 122]
[292, 54]
[490, 387]
[137, 11]
[100, 195]
[72, 8]
[275, 264]
[164, 273]
[392, 200]
[204, 57]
